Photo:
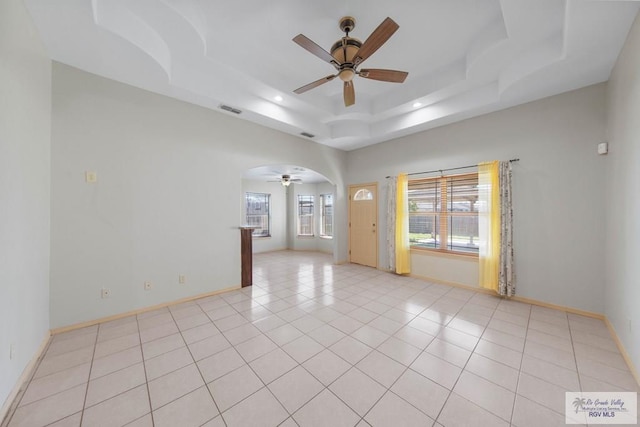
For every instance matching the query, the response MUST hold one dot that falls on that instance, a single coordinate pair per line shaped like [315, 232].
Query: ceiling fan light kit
[348, 53]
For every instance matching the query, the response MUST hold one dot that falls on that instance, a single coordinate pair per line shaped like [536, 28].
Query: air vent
[307, 134]
[230, 109]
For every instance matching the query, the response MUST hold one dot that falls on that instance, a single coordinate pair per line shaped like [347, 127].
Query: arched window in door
[363, 194]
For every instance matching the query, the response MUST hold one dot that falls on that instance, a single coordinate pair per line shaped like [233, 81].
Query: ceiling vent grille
[307, 134]
[230, 109]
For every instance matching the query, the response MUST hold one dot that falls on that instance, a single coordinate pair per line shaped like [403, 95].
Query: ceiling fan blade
[393, 76]
[379, 36]
[317, 83]
[349, 94]
[314, 48]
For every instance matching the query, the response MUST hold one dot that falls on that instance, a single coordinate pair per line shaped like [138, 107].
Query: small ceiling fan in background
[286, 180]
[348, 53]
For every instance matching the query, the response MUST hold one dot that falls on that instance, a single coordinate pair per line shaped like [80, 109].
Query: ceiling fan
[348, 53]
[286, 180]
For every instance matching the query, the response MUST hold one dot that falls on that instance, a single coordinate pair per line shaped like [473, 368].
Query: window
[363, 194]
[326, 215]
[258, 213]
[305, 215]
[443, 213]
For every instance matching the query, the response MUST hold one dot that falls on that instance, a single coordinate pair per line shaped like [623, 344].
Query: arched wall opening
[293, 208]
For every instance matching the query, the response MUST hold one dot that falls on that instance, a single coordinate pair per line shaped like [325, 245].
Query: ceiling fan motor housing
[345, 49]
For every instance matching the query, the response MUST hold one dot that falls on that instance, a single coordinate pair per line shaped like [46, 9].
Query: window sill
[445, 254]
[326, 237]
[261, 237]
[305, 237]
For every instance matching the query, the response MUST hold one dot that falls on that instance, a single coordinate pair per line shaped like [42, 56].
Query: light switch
[91, 177]
[603, 148]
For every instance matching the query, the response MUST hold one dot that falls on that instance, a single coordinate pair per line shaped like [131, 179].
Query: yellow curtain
[403, 255]
[489, 224]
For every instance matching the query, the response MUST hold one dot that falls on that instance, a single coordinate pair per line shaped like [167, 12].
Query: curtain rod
[451, 169]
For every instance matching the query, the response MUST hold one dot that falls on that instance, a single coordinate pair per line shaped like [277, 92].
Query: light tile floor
[315, 344]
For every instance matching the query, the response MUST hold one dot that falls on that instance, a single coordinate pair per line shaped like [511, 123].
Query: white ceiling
[273, 173]
[464, 57]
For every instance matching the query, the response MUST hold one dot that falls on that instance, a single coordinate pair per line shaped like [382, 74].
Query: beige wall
[622, 196]
[25, 131]
[168, 197]
[558, 188]
[459, 270]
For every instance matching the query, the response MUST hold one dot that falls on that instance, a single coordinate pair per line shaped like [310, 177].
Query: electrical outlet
[91, 177]
[182, 280]
[12, 351]
[105, 293]
[148, 286]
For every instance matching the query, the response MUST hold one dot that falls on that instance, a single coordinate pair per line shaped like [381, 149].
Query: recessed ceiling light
[417, 104]
[278, 98]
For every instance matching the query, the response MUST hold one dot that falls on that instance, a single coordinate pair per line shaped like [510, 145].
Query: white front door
[363, 224]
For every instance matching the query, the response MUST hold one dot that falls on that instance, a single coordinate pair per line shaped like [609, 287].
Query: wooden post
[246, 251]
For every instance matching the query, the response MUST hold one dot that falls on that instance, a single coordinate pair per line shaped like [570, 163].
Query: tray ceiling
[464, 57]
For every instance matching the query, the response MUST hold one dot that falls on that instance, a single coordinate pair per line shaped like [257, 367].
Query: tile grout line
[197, 367]
[463, 368]
[407, 367]
[89, 380]
[575, 358]
[57, 392]
[246, 363]
[301, 364]
[86, 391]
[515, 397]
[353, 366]
[388, 390]
[545, 381]
[290, 415]
[144, 368]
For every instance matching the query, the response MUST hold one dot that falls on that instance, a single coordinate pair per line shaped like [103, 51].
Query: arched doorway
[293, 208]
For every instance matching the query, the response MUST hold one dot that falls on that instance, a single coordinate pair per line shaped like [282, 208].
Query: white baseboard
[623, 351]
[23, 382]
[139, 311]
